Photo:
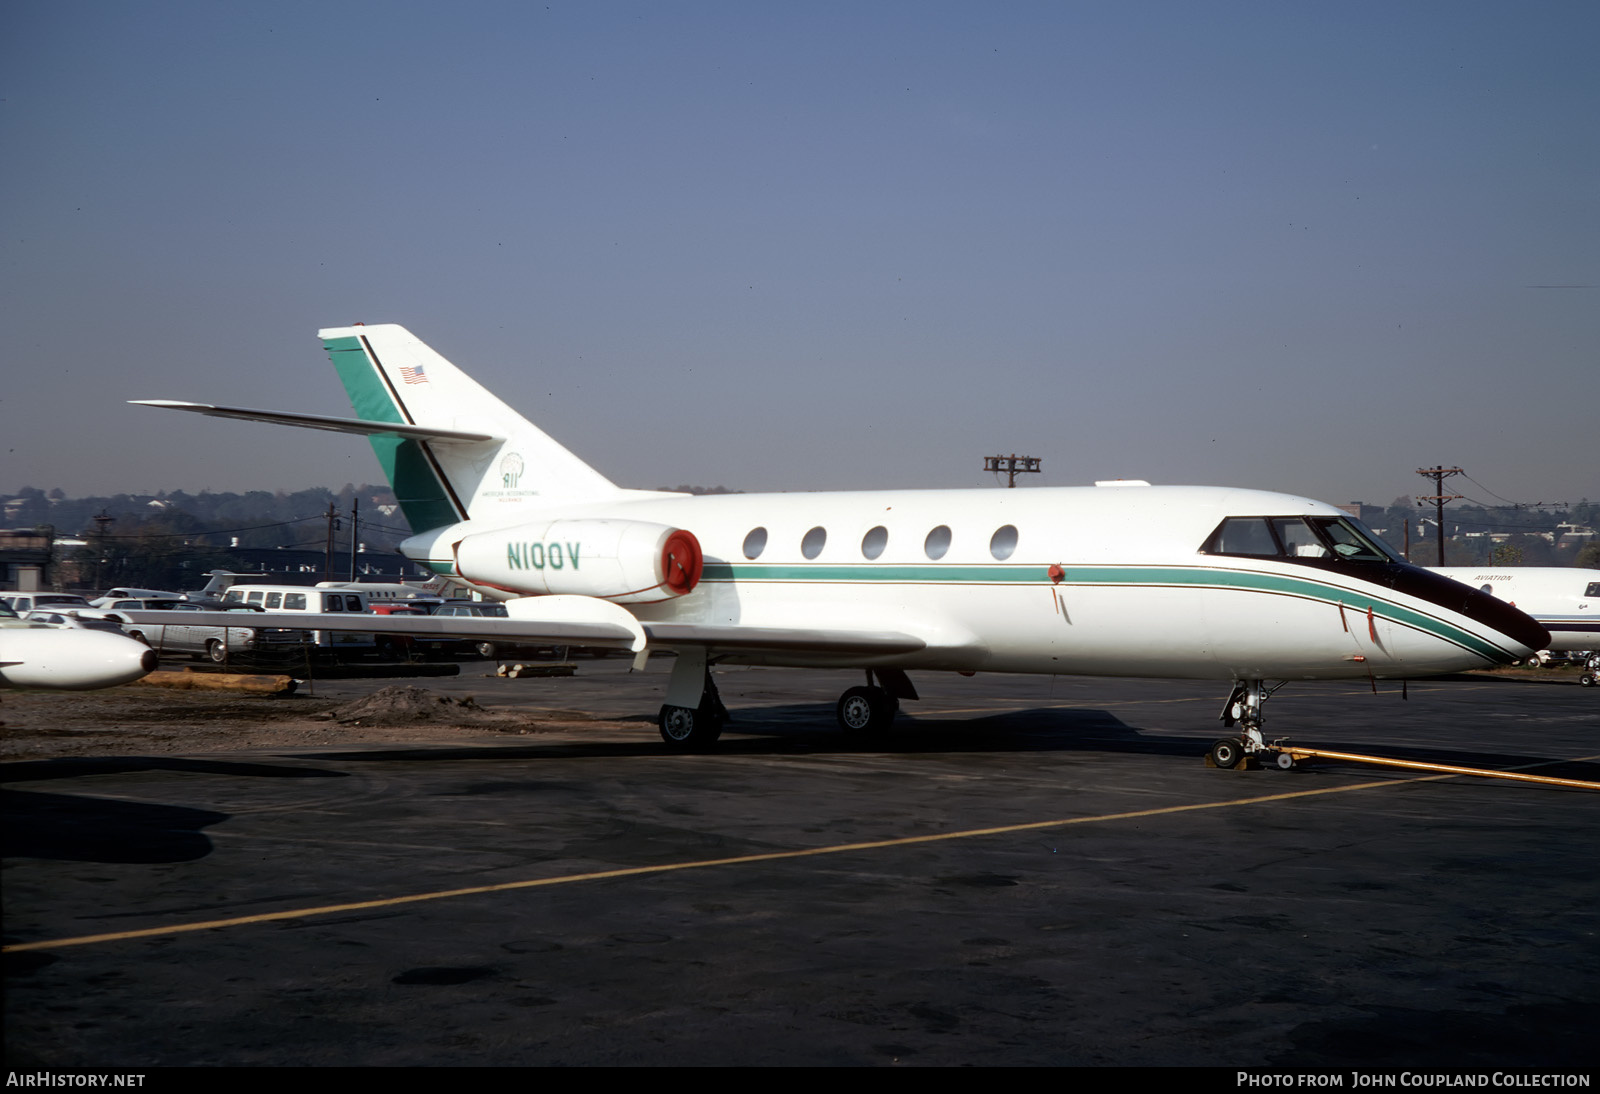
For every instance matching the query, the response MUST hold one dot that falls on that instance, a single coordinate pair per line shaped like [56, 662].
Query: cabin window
[274, 601]
[1004, 542]
[873, 543]
[755, 543]
[938, 542]
[255, 598]
[1486, 589]
[811, 546]
[294, 602]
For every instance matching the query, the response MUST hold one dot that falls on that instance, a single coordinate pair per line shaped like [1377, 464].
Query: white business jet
[1565, 600]
[67, 658]
[1121, 578]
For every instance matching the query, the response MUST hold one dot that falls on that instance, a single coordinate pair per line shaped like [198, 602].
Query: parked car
[409, 646]
[484, 609]
[59, 619]
[60, 602]
[213, 640]
[133, 594]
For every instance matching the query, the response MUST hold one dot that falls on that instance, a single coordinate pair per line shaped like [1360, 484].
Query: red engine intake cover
[681, 562]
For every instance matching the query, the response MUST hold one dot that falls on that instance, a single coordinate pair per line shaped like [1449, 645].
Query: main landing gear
[869, 711]
[1243, 708]
[693, 715]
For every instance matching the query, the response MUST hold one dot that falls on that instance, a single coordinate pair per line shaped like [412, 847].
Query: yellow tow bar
[1446, 769]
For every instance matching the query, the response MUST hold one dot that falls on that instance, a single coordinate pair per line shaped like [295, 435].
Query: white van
[299, 598]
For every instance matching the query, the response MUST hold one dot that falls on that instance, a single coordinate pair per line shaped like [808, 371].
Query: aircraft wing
[546, 631]
[322, 421]
[578, 624]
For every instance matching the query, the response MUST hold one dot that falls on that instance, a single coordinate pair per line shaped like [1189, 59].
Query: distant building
[24, 561]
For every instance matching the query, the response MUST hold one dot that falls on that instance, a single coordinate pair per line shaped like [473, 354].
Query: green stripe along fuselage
[1152, 576]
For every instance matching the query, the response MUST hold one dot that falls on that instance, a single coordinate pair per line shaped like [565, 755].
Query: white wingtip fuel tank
[70, 659]
[1122, 578]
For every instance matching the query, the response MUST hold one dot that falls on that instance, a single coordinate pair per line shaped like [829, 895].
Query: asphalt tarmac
[1027, 871]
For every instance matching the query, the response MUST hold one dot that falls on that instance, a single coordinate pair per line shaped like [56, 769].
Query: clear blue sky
[1306, 247]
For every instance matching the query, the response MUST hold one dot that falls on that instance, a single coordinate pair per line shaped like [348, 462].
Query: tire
[216, 652]
[1227, 753]
[688, 728]
[1587, 679]
[867, 711]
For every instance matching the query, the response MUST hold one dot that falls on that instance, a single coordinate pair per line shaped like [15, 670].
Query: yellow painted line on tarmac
[736, 860]
[640, 871]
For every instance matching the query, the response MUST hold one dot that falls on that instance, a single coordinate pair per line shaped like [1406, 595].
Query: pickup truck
[206, 637]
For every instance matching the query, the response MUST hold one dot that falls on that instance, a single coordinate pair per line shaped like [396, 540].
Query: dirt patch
[140, 721]
[404, 704]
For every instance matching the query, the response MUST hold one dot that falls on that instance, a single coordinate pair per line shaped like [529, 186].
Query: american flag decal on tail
[413, 374]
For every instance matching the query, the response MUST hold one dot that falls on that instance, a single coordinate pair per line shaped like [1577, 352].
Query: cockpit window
[1350, 540]
[1242, 536]
[1298, 538]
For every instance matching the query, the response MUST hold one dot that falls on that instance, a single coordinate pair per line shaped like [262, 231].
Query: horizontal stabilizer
[322, 421]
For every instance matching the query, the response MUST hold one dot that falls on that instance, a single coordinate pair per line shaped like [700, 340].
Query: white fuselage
[1097, 580]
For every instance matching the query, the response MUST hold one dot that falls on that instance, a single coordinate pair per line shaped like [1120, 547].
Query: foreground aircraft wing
[562, 621]
[586, 632]
[322, 421]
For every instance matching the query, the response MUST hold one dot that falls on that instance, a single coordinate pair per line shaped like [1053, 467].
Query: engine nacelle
[624, 561]
[70, 659]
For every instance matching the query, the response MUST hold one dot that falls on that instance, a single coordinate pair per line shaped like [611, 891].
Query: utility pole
[102, 534]
[1439, 497]
[355, 526]
[1012, 465]
[327, 554]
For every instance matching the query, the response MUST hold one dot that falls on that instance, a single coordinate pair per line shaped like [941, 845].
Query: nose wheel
[1243, 709]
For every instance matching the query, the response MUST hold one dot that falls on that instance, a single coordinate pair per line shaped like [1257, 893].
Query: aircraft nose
[1511, 628]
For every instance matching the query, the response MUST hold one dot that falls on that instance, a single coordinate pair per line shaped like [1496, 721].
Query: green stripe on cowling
[1155, 576]
[417, 488]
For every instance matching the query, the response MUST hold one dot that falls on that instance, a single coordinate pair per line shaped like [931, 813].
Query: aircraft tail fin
[439, 479]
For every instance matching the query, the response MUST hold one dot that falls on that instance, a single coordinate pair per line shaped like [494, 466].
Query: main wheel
[866, 710]
[216, 652]
[687, 727]
[1587, 679]
[1227, 753]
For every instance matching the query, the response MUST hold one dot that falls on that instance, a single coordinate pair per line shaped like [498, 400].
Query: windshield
[1298, 539]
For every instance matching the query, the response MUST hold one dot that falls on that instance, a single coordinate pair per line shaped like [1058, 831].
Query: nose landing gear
[1243, 709]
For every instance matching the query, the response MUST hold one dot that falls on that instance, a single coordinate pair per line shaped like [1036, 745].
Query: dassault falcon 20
[1121, 579]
